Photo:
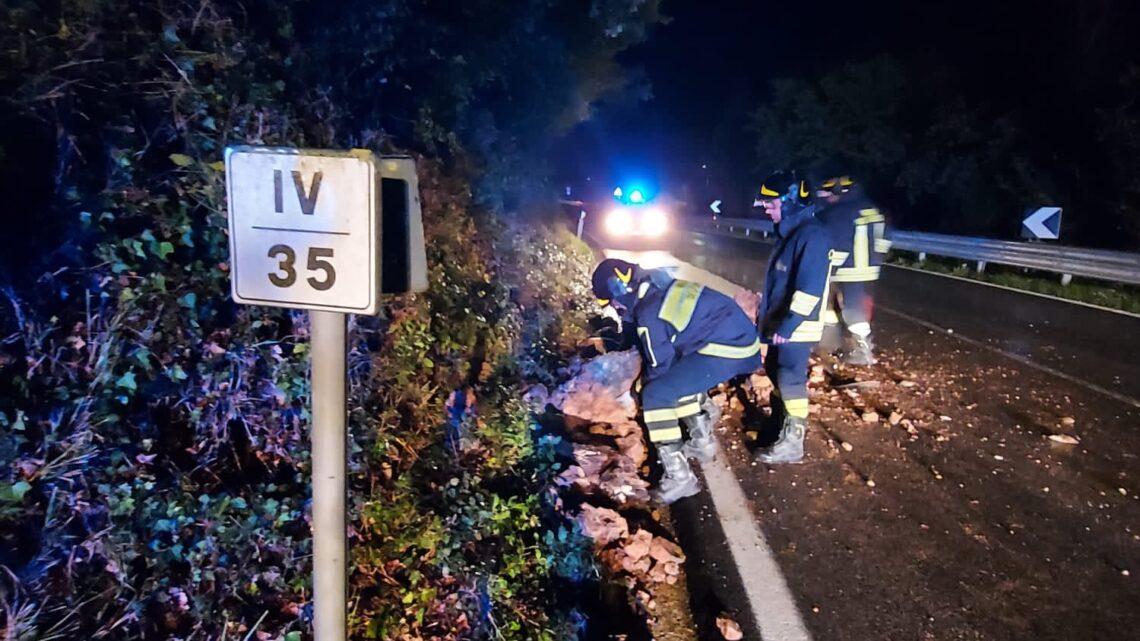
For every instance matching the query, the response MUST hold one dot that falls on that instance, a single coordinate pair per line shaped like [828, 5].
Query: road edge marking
[1117, 396]
[769, 597]
[773, 606]
[1059, 299]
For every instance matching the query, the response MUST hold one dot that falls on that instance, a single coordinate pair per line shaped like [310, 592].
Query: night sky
[1051, 61]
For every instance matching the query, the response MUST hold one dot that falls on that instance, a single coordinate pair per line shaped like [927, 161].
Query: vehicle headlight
[654, 222]
[619, 222]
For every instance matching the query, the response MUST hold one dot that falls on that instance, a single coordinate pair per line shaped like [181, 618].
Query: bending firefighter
[858, 229]
[792, 307]
[691, 339]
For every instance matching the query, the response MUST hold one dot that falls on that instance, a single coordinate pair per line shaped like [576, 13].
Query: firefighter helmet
[612, 277]
[840, 184]
[786, 186]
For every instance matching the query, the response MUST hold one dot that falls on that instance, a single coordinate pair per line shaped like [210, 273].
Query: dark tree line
[963, 141]
[88, 88]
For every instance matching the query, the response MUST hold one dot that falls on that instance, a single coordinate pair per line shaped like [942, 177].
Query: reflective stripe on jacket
[686, 318]
[858, 228]
[796, 284]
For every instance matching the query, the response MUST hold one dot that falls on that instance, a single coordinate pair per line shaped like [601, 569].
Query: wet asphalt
[988, 553]
[1093, 345]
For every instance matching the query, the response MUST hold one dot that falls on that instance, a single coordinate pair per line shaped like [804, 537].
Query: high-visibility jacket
[799, 275]
[682, 318]
[859, 230]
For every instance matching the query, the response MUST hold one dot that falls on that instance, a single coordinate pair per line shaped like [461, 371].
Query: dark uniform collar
[791, 222]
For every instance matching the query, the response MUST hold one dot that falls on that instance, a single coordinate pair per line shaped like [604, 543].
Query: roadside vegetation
[154, 454]
[1113, 296]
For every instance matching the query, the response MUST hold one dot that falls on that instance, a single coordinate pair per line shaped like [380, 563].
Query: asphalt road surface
[1094, 346]
[941, 497]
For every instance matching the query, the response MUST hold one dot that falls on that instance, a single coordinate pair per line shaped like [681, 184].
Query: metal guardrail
[1101, 264]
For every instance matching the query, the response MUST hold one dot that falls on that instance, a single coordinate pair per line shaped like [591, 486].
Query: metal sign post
[305, 233]
[330, 543]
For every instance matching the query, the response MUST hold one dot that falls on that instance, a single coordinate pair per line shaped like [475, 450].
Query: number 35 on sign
[304, 228]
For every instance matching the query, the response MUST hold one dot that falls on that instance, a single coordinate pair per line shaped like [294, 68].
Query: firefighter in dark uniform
[691, 338]
[793, 305]
[858, 229]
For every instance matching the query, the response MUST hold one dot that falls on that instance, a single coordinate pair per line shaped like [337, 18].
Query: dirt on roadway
[939, 500]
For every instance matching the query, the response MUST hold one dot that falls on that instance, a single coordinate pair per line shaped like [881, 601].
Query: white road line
[1127, 400]
[772, 604]
[1016, 290]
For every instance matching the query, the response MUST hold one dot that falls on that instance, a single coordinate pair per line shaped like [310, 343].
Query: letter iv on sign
[311, 229]
[304, 229]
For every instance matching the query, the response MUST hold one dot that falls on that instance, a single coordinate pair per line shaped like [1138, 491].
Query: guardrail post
[581, 222]
[746, 232]
[1066, 279]
[981, 266]
[922, 257]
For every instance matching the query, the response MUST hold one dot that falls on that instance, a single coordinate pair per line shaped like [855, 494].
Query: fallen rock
[761, 385]
[638, 546]
[619, 429]
[749, 301]
[600, 392]
[601, 524]
[636, 566]
[895, 418]
[870, 417]
[592, 458]
[599, 469]
[664, 550]
[1068, 421]
[658, 574]
[622, 484]
[729, 629]
[633, 447]
[1064, 439]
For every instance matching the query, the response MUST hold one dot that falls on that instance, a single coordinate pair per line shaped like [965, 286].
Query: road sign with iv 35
[304, 228]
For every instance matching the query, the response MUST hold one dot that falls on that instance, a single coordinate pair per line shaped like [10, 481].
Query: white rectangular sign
[304, 228]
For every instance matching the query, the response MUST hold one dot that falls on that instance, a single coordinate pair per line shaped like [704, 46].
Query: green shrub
[154, 459]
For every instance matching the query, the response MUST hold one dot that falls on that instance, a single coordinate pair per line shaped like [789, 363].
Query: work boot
[678, 481]
[789, 446]
[861, 352]
[702, 443]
